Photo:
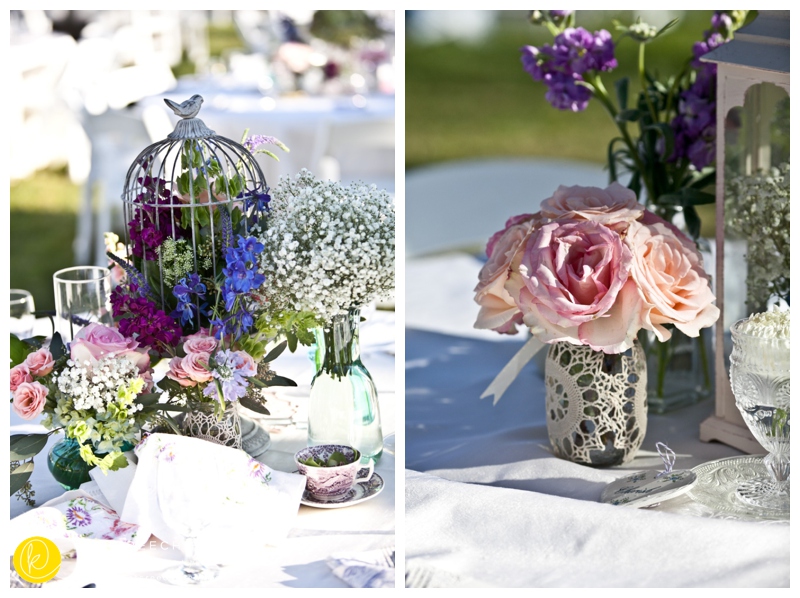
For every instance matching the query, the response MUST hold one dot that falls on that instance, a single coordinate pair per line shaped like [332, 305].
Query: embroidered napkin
[232, 503]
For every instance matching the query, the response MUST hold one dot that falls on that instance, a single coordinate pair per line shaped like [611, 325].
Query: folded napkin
[371, 569]
[76, 514]
[81, 528]
[233, 504]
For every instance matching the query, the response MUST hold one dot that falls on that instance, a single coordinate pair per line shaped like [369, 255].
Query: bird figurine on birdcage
[193, 204]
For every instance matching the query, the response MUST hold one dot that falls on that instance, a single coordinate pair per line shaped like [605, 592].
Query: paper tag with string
[652, 486]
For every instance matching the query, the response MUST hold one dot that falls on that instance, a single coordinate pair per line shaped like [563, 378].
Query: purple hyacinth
[561, 67]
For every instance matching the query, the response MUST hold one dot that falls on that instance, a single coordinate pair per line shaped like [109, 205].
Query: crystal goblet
[760, 381]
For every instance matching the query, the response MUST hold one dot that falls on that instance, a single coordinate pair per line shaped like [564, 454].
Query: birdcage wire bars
[166, 194]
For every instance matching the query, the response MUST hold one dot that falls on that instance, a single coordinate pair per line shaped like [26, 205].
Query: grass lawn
[43, 216]
[476, 100]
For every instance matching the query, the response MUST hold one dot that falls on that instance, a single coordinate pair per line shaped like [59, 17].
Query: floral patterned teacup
[328, 483]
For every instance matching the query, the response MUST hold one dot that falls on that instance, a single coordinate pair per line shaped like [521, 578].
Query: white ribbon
[512, 369]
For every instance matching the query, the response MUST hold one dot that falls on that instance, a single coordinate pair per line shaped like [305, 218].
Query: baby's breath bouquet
[757, 209]
[328, 248]
[328, 251]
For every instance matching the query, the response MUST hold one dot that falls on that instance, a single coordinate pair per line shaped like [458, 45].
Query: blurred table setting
[286, 545]
[488, 503]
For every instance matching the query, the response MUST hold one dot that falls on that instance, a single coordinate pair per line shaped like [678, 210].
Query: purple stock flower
[695, 124]
[561, 67]
[141, 319]
[560, 13]
[563, 92]
[721, 22]
[152, 221]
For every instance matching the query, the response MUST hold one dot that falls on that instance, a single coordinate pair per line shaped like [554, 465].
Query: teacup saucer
[357, 494]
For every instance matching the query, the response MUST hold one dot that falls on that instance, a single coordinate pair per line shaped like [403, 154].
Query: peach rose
[19, 374]
[40, 363]
[177, 373]
[614, 206]
[573, 284]
[200, 344]
[196, 366]
[29, 399]
[672, 283]
[498, 310]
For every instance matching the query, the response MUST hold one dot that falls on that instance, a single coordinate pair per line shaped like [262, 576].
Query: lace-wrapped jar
[596, 403]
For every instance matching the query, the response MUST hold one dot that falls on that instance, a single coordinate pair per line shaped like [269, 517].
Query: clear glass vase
[343, 408]
[760, 380]
[596, 403]
[679, 370]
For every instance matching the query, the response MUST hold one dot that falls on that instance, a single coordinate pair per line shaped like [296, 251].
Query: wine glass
[82, 297]
[22, 318]
[185, 498]
[760, 382]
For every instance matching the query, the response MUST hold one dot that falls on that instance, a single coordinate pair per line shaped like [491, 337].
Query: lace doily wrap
[596, 403]
[226, 431]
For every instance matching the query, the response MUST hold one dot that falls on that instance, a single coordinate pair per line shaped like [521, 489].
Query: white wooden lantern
[752, 82]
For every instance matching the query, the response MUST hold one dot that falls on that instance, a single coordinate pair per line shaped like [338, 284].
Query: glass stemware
[22, 318]
[184, 496]
[760, 382]
[82, 297]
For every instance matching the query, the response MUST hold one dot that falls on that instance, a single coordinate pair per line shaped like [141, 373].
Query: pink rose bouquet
[205, 374]
[96, 391]
[593, 267]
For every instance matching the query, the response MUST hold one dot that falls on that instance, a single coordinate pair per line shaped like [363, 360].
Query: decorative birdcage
[175, 190]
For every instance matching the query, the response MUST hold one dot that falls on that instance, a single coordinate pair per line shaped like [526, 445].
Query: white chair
[459, 205]
[117, 137]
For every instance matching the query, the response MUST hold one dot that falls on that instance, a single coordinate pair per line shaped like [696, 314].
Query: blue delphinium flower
[241, 278]
[187, 306]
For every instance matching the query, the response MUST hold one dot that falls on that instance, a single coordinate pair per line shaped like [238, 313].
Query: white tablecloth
[488, 504]
[318, 533]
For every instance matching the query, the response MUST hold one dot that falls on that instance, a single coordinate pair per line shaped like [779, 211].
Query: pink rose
[177, 373]
[245, 364]
[573, 285]
[196, 366]
[40, 362]
[19, 374]
[200, 344]
[672, 283]
[29, 399]
[498, 309]
[614, 206]
[95, 341]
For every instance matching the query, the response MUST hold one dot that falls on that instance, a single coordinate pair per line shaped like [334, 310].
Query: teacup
[328, 483]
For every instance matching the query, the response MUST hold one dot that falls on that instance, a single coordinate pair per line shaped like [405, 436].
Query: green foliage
[27, 446]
